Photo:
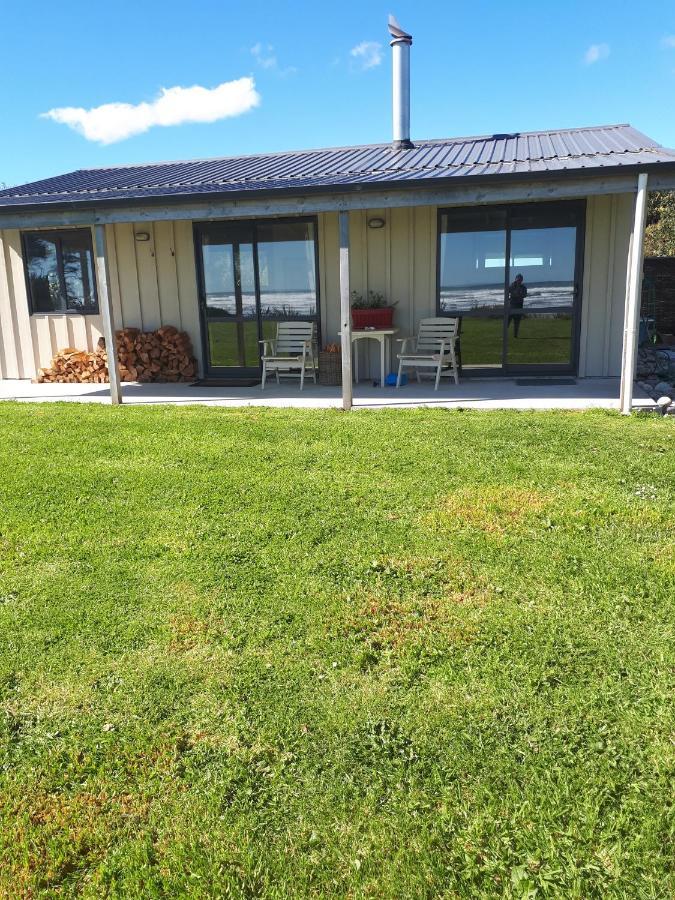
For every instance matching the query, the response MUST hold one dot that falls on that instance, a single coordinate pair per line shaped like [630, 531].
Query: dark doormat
[544, 382]
[225, 382]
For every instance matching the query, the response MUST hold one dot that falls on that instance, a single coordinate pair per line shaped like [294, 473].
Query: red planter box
[373, 318]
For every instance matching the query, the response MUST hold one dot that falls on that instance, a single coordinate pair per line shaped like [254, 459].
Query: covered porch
[449, 249]
[471, 393]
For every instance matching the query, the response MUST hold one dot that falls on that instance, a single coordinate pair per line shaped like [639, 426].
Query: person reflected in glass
[517, 295]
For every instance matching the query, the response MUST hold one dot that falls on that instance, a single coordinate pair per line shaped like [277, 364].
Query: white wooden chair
[434, 348]
[291, 352]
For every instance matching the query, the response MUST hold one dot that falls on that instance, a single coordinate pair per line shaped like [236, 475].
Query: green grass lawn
[398, 654]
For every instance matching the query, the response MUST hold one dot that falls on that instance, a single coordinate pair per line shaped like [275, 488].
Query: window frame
[549, 214]
[199, 227]
[57, 235]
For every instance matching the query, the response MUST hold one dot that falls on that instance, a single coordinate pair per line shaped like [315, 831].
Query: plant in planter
[371, 311]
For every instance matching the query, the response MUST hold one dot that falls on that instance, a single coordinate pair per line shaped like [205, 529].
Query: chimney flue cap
[397, 33]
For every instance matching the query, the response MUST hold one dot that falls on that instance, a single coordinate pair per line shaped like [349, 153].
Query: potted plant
[371, 311]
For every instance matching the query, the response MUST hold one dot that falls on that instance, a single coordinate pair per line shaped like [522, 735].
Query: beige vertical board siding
[624, 213]
[94, 329]
[9, 360]
[608, 228]
[167, 277]
[146, 268]
[402, 268]
[127, 276]
[58, 326]
[19, 299]
[188, 297]
[77, 332]
[398, 260]
[376, 276]
[114, 286]
[43, 346]
[611, 265]
[377, 244]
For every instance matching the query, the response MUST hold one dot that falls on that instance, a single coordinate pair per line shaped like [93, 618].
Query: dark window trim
[57, 236]
[547, 210]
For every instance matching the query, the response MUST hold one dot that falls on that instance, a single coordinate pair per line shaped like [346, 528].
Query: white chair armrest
[268, 342]
[404, 343]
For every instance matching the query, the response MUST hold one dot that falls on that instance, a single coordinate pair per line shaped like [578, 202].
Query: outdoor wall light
[142, 235]
[376, 223]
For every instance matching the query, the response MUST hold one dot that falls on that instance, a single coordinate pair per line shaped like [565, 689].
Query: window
[511, 274]
[60, 271]
[287, 267]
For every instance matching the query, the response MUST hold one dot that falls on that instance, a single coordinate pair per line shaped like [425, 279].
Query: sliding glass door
[512, 275]
[253, 275]
[229, 307]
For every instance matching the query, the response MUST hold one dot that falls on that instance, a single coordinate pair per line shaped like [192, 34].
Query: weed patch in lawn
[494, 509]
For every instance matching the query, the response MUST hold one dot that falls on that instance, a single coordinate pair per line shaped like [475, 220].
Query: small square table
[383, 336]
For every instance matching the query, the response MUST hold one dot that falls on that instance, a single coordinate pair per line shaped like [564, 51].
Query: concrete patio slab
[493, 393]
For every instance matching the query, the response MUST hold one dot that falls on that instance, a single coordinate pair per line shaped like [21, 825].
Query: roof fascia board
[469, 192]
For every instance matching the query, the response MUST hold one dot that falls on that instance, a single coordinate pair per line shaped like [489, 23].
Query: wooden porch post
[345, 312]
[631, 324]
[105, 301]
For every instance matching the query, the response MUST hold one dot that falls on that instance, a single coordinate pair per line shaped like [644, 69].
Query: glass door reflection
[229, 299]
[541, 297]
[252, 276]
[472, 274]
[511, 275]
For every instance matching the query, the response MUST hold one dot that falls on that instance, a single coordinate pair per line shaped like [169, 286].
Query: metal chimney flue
[400, 46]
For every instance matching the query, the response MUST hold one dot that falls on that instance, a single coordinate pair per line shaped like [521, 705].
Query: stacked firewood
[162, 355]
[73, 366]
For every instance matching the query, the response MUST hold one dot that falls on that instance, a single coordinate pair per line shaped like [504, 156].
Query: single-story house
[224, 248]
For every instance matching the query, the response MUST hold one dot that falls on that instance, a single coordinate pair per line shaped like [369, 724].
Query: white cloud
[113, 122]
[264, 55]
[668, 41]
[367, 53]
[595, 53]
[266, 58]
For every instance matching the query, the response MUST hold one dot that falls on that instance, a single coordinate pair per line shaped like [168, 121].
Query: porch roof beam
[467, 193]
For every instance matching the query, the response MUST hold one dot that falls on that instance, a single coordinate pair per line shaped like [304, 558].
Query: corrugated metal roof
[532, 153]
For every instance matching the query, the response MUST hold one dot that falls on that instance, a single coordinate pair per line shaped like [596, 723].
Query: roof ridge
[379, 145]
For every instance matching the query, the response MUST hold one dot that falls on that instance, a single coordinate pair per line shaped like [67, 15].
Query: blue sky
[316, 74]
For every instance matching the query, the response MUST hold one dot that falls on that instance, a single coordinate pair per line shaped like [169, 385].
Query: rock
[664, 402]
[647, 362]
